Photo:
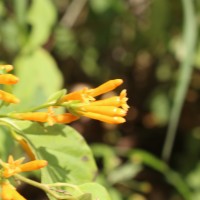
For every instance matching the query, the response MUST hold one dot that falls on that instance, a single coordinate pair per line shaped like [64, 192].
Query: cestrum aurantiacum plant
[81, 103]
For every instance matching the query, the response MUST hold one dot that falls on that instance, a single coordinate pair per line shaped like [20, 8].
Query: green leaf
[69, 157]
[124, 173]
[100, 6]
[41, 17]
[6, 143]
[108, 155]
[160, 106]
[85, 197]
[39, 78]
[54, 98]
[97, 191]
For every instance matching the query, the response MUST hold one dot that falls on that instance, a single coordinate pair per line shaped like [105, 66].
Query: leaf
[85, 197]
[124, 173]
[41, 17]
[100, 6]
[108, 155]
[6, 143]
[97, 191]
[55, 97]
[69, 157]
[160, 107]
[39, 78]
[90, 191]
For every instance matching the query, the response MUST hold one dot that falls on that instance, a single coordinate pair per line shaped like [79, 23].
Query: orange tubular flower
[111, 110]
[32, 116]
[118, 101]
[65, 118]
[89, 94]
[8, 79]
[26, 148]
[13, 167]
[7, 97]
[106, 87]
[108, 114]
[9, 192]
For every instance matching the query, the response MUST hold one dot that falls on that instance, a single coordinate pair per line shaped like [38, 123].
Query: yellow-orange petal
[77, 95]
[65, 118]
[118, 101]
[9, 192]
[8, 79]
[104, 110]
[81, 95]
[17, 196]
[32, 116]
[15, 162]
[26, 148]
[105, 87]
[111, 101]
[33, 165]
[124, 100]
[7, 68]
[7, 97]
[104, 118]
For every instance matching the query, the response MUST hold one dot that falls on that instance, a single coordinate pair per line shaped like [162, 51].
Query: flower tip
[15, 80]
[119, 81]
[8, 68]
[16, 100]
[117, 120]
[43, 163]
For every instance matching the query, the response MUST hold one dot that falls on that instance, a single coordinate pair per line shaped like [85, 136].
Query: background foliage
[154, 46]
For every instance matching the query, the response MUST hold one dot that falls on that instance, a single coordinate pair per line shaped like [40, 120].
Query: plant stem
[44, 187]
[189, 39]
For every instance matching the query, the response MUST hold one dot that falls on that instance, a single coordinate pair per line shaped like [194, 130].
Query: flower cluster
[7, 79]
[11, 168]
[83, 103]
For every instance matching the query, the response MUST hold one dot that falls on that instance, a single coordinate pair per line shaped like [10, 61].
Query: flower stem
[44, 187]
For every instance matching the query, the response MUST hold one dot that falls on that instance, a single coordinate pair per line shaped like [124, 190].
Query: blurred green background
[153, 45]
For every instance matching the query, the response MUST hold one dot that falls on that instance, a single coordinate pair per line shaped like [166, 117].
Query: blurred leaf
[110, 160]
[160, 107]
[41, 17]
[89, 63]
[65, 42]
[100, 6]
[193, 178]
[158, 25]
[197, 57]
[9, 37]
[194, 181]
[21, 12]
[123, 173]
[164, 72]
[39, 78]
